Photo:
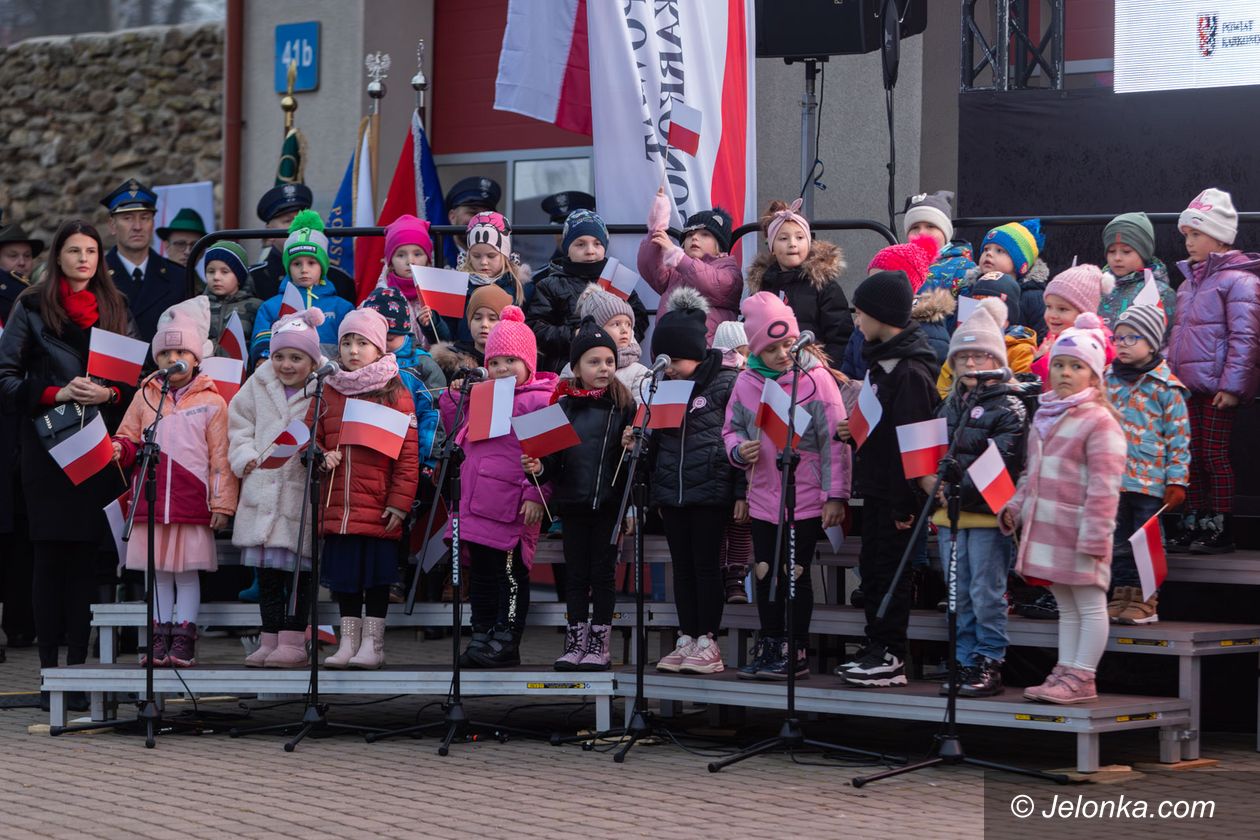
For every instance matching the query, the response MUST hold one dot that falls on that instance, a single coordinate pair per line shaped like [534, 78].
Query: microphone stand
[148, 714]
[948, 744]
[315, 714]
[791, 735]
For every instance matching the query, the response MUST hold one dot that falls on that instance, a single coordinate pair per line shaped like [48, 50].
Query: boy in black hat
[151, 282]
[277, 209]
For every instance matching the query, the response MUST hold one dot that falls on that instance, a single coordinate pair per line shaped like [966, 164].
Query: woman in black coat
[43, 365]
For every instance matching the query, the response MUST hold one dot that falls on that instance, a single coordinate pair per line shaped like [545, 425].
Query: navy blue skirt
[351, 563]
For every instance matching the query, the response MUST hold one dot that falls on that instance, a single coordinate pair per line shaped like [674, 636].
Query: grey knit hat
[981, 333]
[729, 335]
[603, 306]
[1147, 320]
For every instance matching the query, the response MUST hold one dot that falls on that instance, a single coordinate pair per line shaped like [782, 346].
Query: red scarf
[567, 389]
[80, 306]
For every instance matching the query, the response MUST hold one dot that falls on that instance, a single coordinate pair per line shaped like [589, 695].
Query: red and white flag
[669, 404]
[116, 516]
[988, 473]
[490, 408]
[1149, 293]
[544, 64]
[684, 128]
[443, 290]
[376, 426]
[866, 414]
[232, 340]
[772, 416]
[428, 549]
[227, 374]
[287, 444]
[923, 445]
[1148, 554]
[84, 453]
[617, 279]
[545, 431]
[292, 301]
[115, 357]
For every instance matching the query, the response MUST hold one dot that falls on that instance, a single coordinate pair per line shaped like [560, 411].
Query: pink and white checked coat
[1065, 505]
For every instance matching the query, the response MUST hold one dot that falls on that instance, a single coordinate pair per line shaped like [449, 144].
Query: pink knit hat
[781, 217]
[490, 228]
[299, 331]
[185, 326]
[1084, 340]
[767, 320]
[1082, 286]
[368, 323]
[510, 337]
[408, 230]
[914, 258]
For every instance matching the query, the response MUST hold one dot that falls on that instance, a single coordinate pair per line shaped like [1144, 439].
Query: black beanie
[716, 221]
[680, 334]
[589, 334]
[886, 296]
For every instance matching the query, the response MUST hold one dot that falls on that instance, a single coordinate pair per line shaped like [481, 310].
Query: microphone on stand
[171, 370]
[328, 368]
[475, 374]
[1000, 374]
[807, 338]
[662, 362]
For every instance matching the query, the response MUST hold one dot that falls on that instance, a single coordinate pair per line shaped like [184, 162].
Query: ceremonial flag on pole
[375, 426]
[988, 473]
[287, 444]
[545, 431]
[544, 64]
[290, 168]
[291, 301]
[772, 416]
[84, 453]
[490, 408]
[669, 403]
[684, 128]
[363, 200]
[618, 279]
[443, 290]
[1148, 554]
[341, 248]
[923, 445]
[227, 374]
[116, 516]
[866, 414]
[1149, 293]
[115, 357]
[232, 340]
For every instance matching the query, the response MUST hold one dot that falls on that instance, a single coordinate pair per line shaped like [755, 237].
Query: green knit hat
[1134, 230]
[307, 239]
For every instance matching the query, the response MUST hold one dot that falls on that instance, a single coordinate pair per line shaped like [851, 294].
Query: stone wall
[83, 114]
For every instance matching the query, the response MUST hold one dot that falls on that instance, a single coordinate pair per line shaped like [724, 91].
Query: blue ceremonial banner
[341, 248]
[429, 198]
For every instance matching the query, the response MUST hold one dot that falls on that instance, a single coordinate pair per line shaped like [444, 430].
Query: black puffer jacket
[689, 467]
[813, 291]
[552, 312]
[582, 476]
[1001, 419]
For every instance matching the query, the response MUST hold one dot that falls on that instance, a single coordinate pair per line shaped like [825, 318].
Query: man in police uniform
[277, 209]
[559, 205]
[151, 282]
[466, 199]
[17, 259]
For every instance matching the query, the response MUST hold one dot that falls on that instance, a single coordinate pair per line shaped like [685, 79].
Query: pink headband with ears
[788, 215]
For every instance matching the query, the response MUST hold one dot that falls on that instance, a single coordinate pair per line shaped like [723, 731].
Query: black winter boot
[502, 650]
[478, 645]
[762, 653]
[1216, 536]
[777, 667]
[1188, 532]
[983, 680]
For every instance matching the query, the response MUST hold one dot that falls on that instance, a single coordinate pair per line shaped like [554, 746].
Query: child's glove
[1174, 496]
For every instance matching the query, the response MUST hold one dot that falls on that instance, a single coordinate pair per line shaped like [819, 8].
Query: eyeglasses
[1126, 340]
[978, 358]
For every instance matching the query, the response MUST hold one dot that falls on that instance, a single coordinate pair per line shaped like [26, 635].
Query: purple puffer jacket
[492, 483]
[1215, 342]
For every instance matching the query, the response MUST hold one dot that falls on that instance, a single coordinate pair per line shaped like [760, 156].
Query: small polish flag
[617, 279]
[431, 547]
[116, 515]
[292, 301]
[669, 403]
[490, 408]
[545, 431]
[684, 128]
[226, 373]
[866, 414]
[287, 444]
[966, 308]
[85, 453]
[923, 445]
[233, 338]
[772, 416]
[988, 473]
[1149, 294]
[444, 291]
[1148, 554]
[375, 426]
[115, 357]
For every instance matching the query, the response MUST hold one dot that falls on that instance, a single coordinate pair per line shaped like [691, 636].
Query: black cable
[892, 165]
[817, 169]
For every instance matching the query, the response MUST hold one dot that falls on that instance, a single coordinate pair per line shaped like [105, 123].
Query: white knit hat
[729, 335]
[982, 333]
[1212, 213]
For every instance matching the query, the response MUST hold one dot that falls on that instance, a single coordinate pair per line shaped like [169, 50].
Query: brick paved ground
[89, 786]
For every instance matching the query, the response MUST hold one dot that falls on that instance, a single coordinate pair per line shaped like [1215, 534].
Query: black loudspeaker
[798, 29]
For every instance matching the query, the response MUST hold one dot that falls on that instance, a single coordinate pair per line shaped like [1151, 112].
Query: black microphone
[475, 373]
[1000, 374]
[171, 370]
[807, 338]
[662, 362]
[328, 368]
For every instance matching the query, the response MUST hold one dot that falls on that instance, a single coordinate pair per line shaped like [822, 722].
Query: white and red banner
[669, 404]
[376, 426]
[228, 374]
[443, 290]
[1149, 293]
[772, 416]
[866, 414]
[116, 516]
[115, 357]
[988, 473]
[433, 544]
[287, 444]
[490, 408]
[617, 279]
[233, 338]
[1148, 554]
[684, 128]
[923, 445]
[544, 65]
[292, 300]
[84, 453]
[545, 431]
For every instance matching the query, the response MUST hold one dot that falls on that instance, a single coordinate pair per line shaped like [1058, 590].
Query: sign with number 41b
[297, 43]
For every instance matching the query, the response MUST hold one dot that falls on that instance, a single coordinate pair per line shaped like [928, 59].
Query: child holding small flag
[198, 490]
[231, 292]
[408, 243]
[269, 513]
[1152, 406]
[489, 260]
[1065, 506]
[992, 416]
[753, 442]
[305, 285]
[1129, 240]
[587, 487]
[482, 313]
[368, 491]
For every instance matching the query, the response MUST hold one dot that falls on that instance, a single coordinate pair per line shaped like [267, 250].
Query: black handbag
[62, 421]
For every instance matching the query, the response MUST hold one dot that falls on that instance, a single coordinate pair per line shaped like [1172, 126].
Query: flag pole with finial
[293, 147]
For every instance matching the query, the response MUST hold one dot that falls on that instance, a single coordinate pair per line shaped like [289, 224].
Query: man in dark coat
[151, 282]
[18, 252]
[277, 209]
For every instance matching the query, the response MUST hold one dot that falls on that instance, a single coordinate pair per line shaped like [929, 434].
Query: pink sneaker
[1075, 685]
[671, 662]
[704, 658]
[1034, 692]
